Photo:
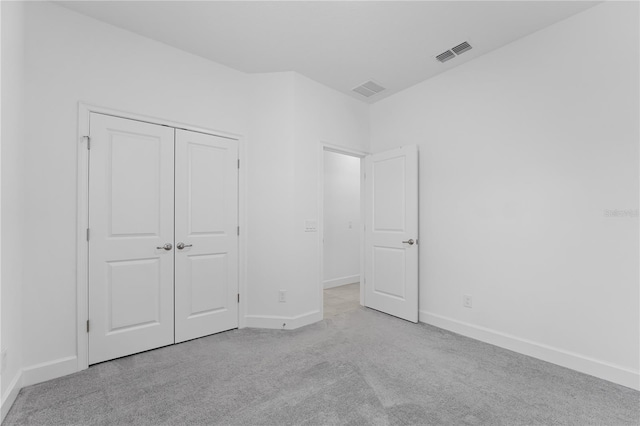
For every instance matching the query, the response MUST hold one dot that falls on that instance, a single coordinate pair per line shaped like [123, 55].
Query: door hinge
[238, 230]
[88, 234]
[88, 138]
[238, 297]
[238, 163]
[87, 326]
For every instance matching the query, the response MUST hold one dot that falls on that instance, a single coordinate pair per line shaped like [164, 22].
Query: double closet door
[163, 245]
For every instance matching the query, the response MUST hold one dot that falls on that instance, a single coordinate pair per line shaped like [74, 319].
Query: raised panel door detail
[388, 271]
[388, 194]
[208, 283]
[133, 294]
[135, 184]
[208, 185]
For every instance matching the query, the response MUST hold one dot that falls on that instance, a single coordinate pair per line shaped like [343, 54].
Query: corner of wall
[10, 395]
[12, 204]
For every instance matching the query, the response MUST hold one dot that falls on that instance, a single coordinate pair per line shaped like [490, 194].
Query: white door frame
[352, 153]
[82, 246]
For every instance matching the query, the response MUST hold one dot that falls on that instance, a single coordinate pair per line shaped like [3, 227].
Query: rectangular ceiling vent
[368, 89]
[454, 51]
[445, 56]
[461, 48]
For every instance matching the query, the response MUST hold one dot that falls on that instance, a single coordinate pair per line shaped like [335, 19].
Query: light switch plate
[310, 226]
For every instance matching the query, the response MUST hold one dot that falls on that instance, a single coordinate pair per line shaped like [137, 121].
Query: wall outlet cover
[467, 301]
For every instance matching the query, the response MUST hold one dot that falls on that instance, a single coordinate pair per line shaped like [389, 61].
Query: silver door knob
[410, 242]
[180, 246]
[167, 247]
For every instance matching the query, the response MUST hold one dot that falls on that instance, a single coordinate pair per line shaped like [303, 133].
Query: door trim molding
[82, 247]
[324, 146]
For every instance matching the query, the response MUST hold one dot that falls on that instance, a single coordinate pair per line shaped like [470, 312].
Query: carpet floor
[356, 367]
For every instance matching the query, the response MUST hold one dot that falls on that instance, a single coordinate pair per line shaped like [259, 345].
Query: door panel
[131, 179]
[133, 294]
[206, 220]
[391, 217]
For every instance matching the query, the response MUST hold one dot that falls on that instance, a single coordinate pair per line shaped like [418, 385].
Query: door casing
[82, 249]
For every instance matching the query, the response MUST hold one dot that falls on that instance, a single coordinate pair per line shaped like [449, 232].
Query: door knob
[167, 247]
[180, 246]
[410, 242]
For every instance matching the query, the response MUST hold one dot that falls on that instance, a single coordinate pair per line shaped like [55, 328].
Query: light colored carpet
[356, 367]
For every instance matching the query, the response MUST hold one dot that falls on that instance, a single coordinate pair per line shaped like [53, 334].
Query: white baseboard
[49, 370]
[584, 364]
[337, 282]
[10, 395]
[272, 321]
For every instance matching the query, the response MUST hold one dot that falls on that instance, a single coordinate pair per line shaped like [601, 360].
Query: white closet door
[206, 223]
[131, 220]
[391, 234]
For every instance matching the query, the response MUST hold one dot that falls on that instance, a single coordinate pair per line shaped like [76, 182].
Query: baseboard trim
[275, 322]
[49, 370]
[10, 395]
[584, 364]
[337, 282]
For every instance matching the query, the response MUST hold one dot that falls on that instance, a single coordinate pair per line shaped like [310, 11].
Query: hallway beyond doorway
[342, 299]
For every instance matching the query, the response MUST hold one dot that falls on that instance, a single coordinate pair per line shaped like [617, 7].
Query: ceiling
[340, 44]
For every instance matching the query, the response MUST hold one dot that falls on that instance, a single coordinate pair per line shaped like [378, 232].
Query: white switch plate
[310, 226]
[282, 296]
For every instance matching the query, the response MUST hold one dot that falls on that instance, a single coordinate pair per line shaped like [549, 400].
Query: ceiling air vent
[454, 51]
[461, 48]
[368, 89]
[445, 56]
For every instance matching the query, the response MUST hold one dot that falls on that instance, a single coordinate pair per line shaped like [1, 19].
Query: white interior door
[131, 220]
[391, 232]
[206, 209]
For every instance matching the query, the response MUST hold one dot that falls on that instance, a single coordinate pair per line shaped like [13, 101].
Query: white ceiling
[339, 44]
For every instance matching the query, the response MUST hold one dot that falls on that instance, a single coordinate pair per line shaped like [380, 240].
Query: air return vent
[461, 48]
[368, 89]
[445, 56]
[454, 51]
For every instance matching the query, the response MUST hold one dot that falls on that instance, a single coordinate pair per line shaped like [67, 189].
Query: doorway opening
[342, 232]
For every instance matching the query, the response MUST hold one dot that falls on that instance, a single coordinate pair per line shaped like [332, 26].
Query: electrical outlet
[3, 361]
[282, 296]
[467, 301]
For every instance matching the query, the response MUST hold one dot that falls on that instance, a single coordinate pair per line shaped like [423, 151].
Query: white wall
[341, 222]
[327, 116]
[12, 213]
[282, 118]
[270, 241]
[292, 115]
[521, 153]
[71, 58]
[522, 210]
